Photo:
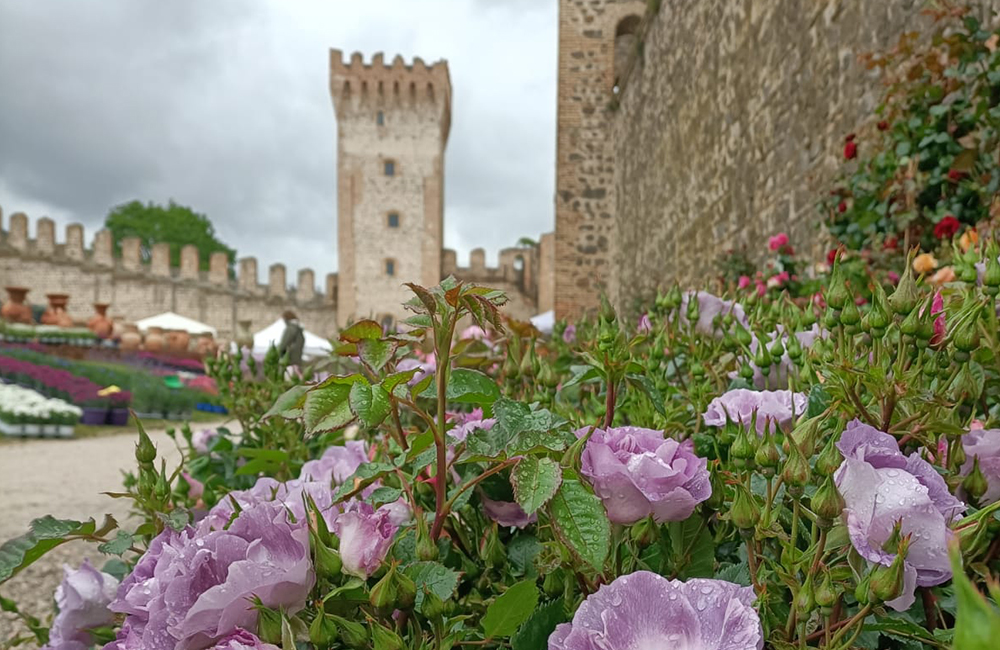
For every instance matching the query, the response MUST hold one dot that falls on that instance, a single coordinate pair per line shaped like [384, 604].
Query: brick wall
[731, 125]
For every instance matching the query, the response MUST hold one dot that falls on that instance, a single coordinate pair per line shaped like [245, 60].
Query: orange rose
[924, 263]
[968, 239]
[943, 276]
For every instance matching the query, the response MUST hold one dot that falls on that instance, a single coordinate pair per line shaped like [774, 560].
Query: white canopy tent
[316, 346]
[168, 320]
[544, 322]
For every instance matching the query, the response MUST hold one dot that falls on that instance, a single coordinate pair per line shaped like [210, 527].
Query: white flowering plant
[19, 405]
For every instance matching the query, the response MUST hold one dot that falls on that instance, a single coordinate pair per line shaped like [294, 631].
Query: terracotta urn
[154, 339]
[56, 313]
[131, 339]
[99, 323]
[244, 337]
[118, 327]
[178, 341]
[14, 310]
[206, 345]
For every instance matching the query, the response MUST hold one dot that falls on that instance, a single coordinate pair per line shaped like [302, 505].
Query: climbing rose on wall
[947, 227]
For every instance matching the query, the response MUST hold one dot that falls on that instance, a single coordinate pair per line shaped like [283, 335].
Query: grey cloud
[223, 106]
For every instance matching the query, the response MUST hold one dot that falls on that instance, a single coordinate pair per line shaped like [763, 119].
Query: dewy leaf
[46, 533]
[439, 580]
[735, 573]
[514, 421]
[117, 546]
[580, 522]
[466, 386]
[535, 633]
[376, 353]
[645, 385]
[370, 403]
[535, 480]
[363, 330]
[512, 608]
[327, 406]
[289, 404]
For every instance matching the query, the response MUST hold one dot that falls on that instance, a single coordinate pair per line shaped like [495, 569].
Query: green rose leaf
[436, 577]
[510, 610]
[370, 403]
[580, 522]
[327, 406]
[45, 534]
[363, 330]
[289, 404]
[535, 480]
[535, 633]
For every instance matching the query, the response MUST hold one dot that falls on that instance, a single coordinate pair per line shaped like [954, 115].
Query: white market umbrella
[544, 322]
[315, 346]
[168, 320]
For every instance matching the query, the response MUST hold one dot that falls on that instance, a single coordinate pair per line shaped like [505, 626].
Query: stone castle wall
[585, 192]
[138, 289]
[731, 125]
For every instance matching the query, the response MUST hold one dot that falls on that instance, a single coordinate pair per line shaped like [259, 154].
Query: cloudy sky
[224, 106]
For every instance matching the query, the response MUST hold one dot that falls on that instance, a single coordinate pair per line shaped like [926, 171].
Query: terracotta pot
[99, 323]
[118, 328]
[56, 313]
[206, 345]
[154, 339]
[14, 310]
[178, 341]
[131, 339]
[244, 337]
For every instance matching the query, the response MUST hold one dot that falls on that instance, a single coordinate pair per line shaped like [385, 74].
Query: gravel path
[64, 478]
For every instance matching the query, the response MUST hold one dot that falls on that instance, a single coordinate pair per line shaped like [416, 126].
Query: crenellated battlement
[139, 283]
[154, 264]
[359, 87]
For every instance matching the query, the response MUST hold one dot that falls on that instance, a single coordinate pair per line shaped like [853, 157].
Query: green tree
[177, 225]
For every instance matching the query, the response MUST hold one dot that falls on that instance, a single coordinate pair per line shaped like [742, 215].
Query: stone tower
[596, 40]
[392, 128]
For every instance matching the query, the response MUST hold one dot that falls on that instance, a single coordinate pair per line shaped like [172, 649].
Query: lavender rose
[778, 406]
[880, 487]
[985, 445]
[202, 440]
[710, 306]
[644, 610]
[365, 537]
[569, 334]
[637, 473]
[83, 598]
[506, 513]
[243, 640]
[337, 464]
[194, 587]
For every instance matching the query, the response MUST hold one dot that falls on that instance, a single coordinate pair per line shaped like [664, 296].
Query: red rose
[842, 206]
[954, 175]
[850, 150]
[831, 256]
[947, 227]
[890, 244]
[883, 125]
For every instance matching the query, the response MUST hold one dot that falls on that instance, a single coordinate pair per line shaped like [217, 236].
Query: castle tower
[596, 40]
[392, 127]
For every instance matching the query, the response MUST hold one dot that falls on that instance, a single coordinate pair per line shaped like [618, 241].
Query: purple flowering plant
[627, 487]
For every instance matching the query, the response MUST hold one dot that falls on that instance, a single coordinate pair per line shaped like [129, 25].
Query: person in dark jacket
[292, 340]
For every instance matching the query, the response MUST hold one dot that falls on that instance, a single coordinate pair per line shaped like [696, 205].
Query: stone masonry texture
[585, 193]
[731, 126]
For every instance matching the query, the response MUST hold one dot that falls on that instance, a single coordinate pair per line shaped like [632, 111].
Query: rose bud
[323, 630]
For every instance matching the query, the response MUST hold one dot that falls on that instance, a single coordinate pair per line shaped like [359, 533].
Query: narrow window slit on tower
[390, 168]
[394, 220]
[390, 267]
[380, 118]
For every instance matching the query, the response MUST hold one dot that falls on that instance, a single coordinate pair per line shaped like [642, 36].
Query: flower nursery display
[25, 412]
